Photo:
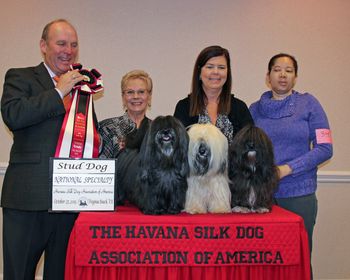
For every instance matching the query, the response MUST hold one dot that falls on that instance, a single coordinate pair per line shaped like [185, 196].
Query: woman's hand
[284, 170]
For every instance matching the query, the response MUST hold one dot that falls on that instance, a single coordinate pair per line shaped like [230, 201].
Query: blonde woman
[136, 92]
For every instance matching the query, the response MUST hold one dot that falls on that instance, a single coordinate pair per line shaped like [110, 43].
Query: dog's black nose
[166, 131]
[250, 145]
[166, 134]
[202, 150]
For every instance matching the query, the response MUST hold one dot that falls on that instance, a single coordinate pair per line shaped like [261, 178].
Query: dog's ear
[180, 158]
[223, 167]
[184, 167]
[146, 152]
[134, 139]
[143, 176]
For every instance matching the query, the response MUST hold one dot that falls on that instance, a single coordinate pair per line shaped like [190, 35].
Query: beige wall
[164, 37]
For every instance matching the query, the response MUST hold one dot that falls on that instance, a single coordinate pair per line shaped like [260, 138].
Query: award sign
[82, 184]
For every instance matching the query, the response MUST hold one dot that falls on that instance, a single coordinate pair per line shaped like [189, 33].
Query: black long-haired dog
[252, 171]
[154, 176]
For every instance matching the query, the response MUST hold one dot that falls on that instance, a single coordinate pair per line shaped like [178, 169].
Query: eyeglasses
[130, 92]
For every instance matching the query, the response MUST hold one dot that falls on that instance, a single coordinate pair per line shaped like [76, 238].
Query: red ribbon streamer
[78, 136]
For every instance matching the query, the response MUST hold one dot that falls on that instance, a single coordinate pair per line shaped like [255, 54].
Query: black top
[238, 117]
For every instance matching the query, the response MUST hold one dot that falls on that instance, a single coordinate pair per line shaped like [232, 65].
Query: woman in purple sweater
[299, 130]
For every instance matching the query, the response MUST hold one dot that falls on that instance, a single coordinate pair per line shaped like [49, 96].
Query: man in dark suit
[32, 108]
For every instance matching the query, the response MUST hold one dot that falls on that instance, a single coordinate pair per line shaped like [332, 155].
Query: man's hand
[68, 80]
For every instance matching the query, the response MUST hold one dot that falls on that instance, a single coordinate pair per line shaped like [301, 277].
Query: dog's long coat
[252, 171]
[154, 178]
[208, 188]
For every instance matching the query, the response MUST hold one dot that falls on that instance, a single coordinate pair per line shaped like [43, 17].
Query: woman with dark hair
[298, 128]
[210, 100]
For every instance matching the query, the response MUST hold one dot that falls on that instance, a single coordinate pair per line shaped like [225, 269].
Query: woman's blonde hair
[137, 74]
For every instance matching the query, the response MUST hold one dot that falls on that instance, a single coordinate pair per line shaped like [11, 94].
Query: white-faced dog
[154, 178]
[252, 171]
[208, 187]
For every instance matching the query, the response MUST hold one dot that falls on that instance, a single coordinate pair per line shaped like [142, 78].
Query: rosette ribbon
[78, 136]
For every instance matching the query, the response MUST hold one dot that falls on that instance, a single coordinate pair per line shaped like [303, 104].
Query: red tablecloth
[129, 245]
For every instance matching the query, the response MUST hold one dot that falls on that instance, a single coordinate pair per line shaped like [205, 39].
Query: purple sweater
[291, 124]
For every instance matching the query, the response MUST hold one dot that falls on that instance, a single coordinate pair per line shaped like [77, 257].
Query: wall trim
[322, 176]
[3, 166]
[333, 176]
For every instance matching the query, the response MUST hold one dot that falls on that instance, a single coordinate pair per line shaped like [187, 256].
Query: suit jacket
[33, 111]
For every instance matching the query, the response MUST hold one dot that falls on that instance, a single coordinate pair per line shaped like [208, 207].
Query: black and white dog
[252, 171]
[154, 177]
[208, 187]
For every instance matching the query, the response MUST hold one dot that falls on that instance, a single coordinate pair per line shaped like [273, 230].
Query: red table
[129, 245]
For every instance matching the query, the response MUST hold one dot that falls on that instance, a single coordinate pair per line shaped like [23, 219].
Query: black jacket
[33, 111]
